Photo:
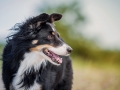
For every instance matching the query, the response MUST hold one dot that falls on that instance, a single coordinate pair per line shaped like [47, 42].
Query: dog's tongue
[56, 57]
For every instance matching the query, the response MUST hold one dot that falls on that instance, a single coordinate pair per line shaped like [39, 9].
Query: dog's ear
[54, 17]
[34, 24]
[37, 21]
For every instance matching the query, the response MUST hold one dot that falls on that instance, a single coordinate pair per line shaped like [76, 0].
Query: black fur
[51, 77]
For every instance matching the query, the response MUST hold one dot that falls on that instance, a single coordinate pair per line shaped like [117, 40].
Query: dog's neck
[31, 64]
[32, 60]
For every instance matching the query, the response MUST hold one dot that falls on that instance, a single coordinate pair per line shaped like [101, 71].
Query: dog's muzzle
[69, 50]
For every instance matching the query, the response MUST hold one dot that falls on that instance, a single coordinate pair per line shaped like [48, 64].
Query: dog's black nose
[69, 50]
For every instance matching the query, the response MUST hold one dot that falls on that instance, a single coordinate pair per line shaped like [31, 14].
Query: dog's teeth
[46, 50]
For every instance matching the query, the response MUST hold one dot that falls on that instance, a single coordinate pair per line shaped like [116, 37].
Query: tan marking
[53, 33]
[40, 87]
[52, 44]
[40, 47]
[46, 50]
[59, 34]
[34, 41]
[52, 19]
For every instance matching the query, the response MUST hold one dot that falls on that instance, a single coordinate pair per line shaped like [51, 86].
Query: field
[88, 76]
[95, 77]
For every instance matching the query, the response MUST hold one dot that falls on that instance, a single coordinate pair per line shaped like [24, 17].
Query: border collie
[36, 58]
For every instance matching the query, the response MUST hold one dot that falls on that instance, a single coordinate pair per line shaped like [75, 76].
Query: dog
[36, 58]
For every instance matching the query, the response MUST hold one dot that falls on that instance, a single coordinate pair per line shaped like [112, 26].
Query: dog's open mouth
[54, 57]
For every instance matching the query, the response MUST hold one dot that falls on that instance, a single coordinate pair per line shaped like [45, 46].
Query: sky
[102, 15]
[103, 22]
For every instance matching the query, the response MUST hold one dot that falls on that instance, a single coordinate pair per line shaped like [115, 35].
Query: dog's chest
[26, 84]
[33, 71]
[28, 73]
[35, 81]
[27, 81]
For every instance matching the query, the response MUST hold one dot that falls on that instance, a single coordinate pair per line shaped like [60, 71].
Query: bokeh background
[90, 27]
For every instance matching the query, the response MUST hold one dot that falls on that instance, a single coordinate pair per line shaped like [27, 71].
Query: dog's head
[45, 39]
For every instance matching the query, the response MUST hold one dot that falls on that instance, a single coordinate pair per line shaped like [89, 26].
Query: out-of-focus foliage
[1, 49]
[69, 28]
[94, 68]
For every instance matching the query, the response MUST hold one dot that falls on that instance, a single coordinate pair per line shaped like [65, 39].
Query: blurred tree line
[69, 29]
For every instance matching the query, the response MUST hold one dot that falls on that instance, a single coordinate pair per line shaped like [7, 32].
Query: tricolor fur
[36, 58]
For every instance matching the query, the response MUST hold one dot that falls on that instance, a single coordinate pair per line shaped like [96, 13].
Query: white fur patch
[32, 59]
[36, 86]
[61, 50]
[52, 26]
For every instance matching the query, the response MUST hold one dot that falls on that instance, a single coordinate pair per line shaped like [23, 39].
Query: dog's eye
[50, 37]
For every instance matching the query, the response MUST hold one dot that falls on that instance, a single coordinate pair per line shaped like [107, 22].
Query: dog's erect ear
[54, 17]
[37, 21]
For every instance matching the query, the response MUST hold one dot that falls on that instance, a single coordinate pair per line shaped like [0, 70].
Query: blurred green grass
[1, 49]
[95, 76]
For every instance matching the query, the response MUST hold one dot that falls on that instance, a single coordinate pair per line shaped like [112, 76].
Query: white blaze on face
[61, 50]
[52, 26]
